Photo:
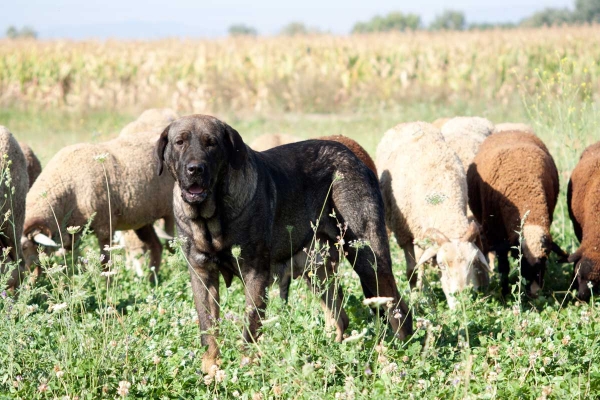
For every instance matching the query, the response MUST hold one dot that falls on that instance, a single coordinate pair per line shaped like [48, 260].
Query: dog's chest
[207, 235]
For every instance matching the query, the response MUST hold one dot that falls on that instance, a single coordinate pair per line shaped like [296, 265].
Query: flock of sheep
[456, 192]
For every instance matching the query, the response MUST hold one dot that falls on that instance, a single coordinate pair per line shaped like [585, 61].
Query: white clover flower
[377, 301]
[123, 389]
[355, 336]
[57, 307]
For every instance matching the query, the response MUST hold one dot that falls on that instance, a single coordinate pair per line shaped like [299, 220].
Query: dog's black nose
[195, 168]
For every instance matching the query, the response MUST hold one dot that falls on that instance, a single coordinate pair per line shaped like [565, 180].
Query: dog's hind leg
[361, 206]
[147, 234]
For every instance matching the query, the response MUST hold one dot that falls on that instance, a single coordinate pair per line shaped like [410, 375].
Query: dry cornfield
[298, 74]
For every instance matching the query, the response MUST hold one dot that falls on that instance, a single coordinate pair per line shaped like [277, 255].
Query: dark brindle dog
[229, 195]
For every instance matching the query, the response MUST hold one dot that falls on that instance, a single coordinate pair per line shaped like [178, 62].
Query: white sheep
[34, 167]
[152, 121]
[13, 167]
[424, 189]
[513, 126]
[73, 187]
[464, 135]
[270, 140]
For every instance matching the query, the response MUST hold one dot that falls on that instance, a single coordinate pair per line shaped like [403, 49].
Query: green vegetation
[394, 21]
[72, 334]
[449, 20]
[26, 32]
[242, 30]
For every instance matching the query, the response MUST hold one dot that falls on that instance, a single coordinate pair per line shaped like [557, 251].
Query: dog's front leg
[256, 279]
[205, 288]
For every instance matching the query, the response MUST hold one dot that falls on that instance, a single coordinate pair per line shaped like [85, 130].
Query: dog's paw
[210, 363]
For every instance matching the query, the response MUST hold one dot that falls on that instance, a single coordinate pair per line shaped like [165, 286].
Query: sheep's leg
[411, 262]
[147, 235]
[503, 269]
[331, 297]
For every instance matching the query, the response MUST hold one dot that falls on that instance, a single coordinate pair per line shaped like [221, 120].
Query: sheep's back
[515, 173]
[584, 203]
[423, 181]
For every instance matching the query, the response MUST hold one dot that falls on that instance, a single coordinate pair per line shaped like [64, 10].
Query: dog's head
[196, 150]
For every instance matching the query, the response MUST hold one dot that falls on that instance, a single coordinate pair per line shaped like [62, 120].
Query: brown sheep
[270, 140]
[514, 174]
[584, 203]
[34, 167]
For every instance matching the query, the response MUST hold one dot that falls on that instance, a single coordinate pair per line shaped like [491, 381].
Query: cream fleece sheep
[438, 123]
[73, 183]
[153, 120]
[514, 174]
[270, 140]
[464, 135]
[424, 190]
[513, 126]
[34, 167]
[14, 175]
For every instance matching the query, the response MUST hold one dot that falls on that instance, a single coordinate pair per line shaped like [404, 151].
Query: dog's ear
[161, 145]
[235, 147]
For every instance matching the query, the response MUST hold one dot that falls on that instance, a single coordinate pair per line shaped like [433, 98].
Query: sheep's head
[586, 272]
[460, 261]
[537, 245]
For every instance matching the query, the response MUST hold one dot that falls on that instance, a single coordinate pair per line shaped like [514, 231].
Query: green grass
[147, 337]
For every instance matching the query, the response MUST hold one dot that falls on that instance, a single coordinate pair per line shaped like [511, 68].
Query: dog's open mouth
[194, 193]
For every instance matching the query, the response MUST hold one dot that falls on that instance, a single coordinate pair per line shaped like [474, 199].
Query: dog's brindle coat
[229, 195]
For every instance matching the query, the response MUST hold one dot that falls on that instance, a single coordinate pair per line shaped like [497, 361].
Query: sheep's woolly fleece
[514, 173]
[584, 208]
[152, 120]
[465, 134]
[73, 183]
[34, 167]
[422, 182]
[513, 126]
[270, 140]
[12, 201]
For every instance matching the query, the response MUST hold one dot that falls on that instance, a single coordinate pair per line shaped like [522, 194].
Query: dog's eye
[209, 142]
[179, 142]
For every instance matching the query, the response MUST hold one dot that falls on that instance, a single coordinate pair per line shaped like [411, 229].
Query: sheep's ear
[235, 147]
[575, 257]
[428, 255]
[161, 145]
[563, 257]
[472, 232]
[44, 240]
[437, 236]
[483, 261]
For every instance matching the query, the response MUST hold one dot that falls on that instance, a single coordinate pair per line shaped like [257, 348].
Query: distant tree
[12, 32]
[587, 10]
[394, 21]
[25, 32]
[549, 17]
[483, 26]
[28, 32]
[449, 20]
[295, 28]
[242, 30]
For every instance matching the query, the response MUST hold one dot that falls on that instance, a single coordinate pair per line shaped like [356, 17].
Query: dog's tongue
[195, 189]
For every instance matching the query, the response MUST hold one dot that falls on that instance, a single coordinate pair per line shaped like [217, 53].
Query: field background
[144, 339]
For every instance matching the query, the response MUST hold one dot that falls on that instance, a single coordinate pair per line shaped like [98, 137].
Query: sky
[150, 19]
